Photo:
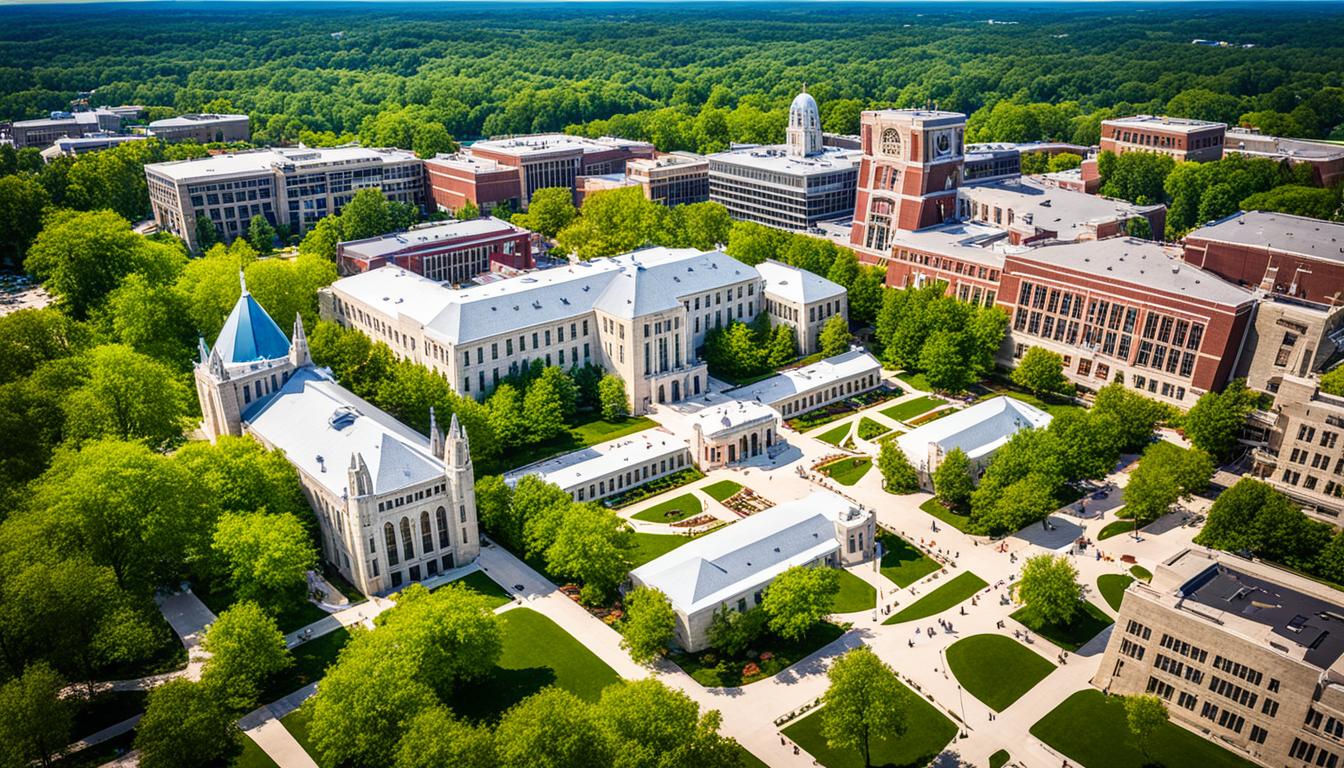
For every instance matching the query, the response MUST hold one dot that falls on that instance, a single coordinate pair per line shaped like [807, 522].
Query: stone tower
[803, 136]
[462, 488]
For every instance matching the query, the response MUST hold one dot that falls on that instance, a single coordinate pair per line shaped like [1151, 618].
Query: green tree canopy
[1041, 372]
[185, 723]
[650, 624]
[550, 210]
[952, 480]
[246, 649]
[1049, 587]
[799, 598]
[898, 474]
[865, 703]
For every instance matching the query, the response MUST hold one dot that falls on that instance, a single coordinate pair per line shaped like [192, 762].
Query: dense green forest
[687, 75]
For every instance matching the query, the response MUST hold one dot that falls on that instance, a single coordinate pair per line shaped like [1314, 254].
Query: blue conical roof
[249, 334]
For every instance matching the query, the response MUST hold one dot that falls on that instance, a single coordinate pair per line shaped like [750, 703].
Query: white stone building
[641, 316]
[595, 473]
[731, 568]
[979, 431]
[731, 432]
[802, 300]
[392, 506]
[799, 390]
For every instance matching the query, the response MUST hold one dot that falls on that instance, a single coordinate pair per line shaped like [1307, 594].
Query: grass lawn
[106, 708]
[297, 723]
[935, 507]
[1112, 587]
[311, 660]
[537, 653]
[871, 430]
[927, 732]
[855, 594]
[481, 583]
[1085, 626]
[848, 471]
[670, 511]
[722, 490]
[749, 760]
[1049, 406]
[253, 756]
[999, 759]
[995, 669]
[1141, 573]
[1091, 729]
[1115, 529]
[836, 434]
[649, 546]
[902, 563]
[940, 599]
[916, 381]
[912, 408]
[712, 669]
[591, 430]
[296, 615]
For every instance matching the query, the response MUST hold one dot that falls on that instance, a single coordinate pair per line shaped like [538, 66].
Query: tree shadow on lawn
[486, 699]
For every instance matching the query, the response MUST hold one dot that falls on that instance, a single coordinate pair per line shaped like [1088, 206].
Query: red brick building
[1177, 137]
[453, 251]
[1288, 255]
[510, 170]
[1126, 308]
[909, 174]
[1326, 160]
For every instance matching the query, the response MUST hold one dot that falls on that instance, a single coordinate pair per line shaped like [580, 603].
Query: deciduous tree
[1041, 372]
[898, 474]
[1049, 587]
[266, 557]
[185, 724]
[590, 545]
[35, 720]
[1144, 714]
[834, 338]
[650, 624]
[246, 649]
[551, 729]
[952, 481]
[611, 392]
[799, 598]
[865, 703]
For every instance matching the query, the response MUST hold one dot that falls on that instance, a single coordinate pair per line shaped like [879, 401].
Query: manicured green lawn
[481, 583]
[298, 723]
[1141, 573]
[713, 669]
[722, 490]
[835, 434]
[670, 511]
[902, 562]
[749, 760]
[311, 660]
[1051, 407]
[871, 430]
[1116, 528]
[1091, 729]
[999, 759]
[912, 408]
[948, 595]
[995, 669]
[916, 381]
[537, 653]
[1085, 626]
[253, 756]
[649, 546]
[1112, 588]
[855, 594]
[927, 732]
[935, 507]
[848, 471]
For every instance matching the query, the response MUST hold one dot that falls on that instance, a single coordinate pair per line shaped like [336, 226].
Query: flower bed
[653, 488]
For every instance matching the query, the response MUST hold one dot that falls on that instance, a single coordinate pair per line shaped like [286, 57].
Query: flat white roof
[581, 467]
[776, 158]
[396, 242]
[549, 143]
[796, 285]
[1162, 122]
[726, 417]
[260, 160]
[816, 376]
[747, 555]
[186, 121]
[978, 430]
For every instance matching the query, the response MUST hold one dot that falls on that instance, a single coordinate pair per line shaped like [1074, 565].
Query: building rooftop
[978, 430]
[384, 245]
[1151, 266]
[747, 555]
[284, 158]
[87, 117]
[579, 467]
[1067, 213]
[1259, 145]
[923, 116]
[626, 286]
[321, 426]
[1283, 232]
[554, 143]
[818, 375]
[184, 121]
[1265, 605]
[249, 334]
[726, 417]
[1162, 122]
[775, 157]
[796, 285]
[966, 240]
[669, 160]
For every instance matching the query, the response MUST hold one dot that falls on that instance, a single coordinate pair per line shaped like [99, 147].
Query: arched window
[407, 546]
[441, 517]
[891, 142]
[462, 512]
[391, 538]
[426, 533]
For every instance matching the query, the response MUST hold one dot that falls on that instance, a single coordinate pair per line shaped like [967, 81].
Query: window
[426, 533]
[441, 519]
[390, 536]
[407, 547]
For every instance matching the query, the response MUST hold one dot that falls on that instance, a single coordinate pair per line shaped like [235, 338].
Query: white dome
[803, 111]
